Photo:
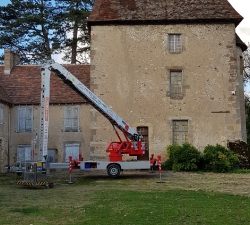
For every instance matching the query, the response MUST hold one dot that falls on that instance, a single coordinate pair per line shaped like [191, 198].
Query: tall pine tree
[71, 17]
[40, 28]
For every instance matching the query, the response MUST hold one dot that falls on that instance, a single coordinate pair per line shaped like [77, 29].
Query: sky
[243, 29]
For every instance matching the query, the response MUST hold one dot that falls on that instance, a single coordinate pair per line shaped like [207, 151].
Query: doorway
[144, 132]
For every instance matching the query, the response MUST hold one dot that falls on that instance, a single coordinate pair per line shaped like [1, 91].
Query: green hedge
[182, 158]
[188, 158]
[219, 159]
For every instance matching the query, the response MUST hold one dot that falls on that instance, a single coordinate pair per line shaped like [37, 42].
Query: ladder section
[44, 113]
[97, 103]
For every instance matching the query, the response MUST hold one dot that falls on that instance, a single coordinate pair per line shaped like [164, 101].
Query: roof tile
[23, 85]
[4, 96]
[110, 11]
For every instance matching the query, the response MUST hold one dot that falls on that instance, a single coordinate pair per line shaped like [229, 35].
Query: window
[72, 149]
[51, 155]
[241, 65]
[25, 119]
[180, 132]
[174, 43]
[71, 119]
[1, 114]
[24, 153]
[176, 84]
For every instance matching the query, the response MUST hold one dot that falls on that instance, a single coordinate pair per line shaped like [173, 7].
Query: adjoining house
[171, 69]
[20, 93]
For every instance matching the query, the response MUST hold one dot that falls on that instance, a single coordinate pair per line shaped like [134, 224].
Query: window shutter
[72, 150]
[25, 119]
[71, 120]
[21, 119]
[75, 118]
[28, 119]
[24, 153]
[67, 122]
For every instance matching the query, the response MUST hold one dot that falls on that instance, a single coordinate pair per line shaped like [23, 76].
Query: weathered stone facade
[4, 137]
[130, 68]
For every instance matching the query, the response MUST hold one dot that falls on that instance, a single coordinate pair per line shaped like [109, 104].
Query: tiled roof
[23, 85]
[163, 11]
[4, 96]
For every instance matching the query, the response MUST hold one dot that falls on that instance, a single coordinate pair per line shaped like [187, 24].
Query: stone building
[171, 69]
[20, 91]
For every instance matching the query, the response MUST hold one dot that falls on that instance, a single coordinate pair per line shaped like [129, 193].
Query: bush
[241, 148]
[219, 159]
[182, 158]
[168, 164]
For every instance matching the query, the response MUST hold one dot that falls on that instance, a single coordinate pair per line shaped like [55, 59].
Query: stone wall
[4, 129]
[130, 68]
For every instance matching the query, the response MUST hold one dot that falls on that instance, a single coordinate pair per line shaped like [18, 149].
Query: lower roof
[23, 85]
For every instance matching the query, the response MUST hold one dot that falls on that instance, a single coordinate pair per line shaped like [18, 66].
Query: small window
[25, 119]
[72, 149]
[241, 65]
[180, 132]
[24, 153]
[1, 114]
[71, 119]
[176, 84]
[174, 43]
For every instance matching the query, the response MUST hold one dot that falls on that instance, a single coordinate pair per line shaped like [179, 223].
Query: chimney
[10, 59]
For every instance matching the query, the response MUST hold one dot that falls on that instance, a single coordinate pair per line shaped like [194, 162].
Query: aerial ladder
[132, 145]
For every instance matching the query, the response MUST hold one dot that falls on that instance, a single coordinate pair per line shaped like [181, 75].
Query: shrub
[219, 159]
[241, 148]
[182, 158]
[168, 164]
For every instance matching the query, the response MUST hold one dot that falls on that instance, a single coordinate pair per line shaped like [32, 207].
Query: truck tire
[114, 170]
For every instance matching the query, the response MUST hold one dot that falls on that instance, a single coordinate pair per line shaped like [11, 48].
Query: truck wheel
[114, 170]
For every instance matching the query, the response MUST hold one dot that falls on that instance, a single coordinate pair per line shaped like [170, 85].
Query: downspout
[9, 139]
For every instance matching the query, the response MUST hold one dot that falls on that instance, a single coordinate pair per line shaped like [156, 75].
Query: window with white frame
[24, 153]
[1, 114]
[25, 119]
[71, 118]
[174, 43]
[72, 149]
[180, 132]
[175, 84]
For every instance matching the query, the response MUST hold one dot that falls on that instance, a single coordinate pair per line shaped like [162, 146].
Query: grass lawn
[134, 199]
